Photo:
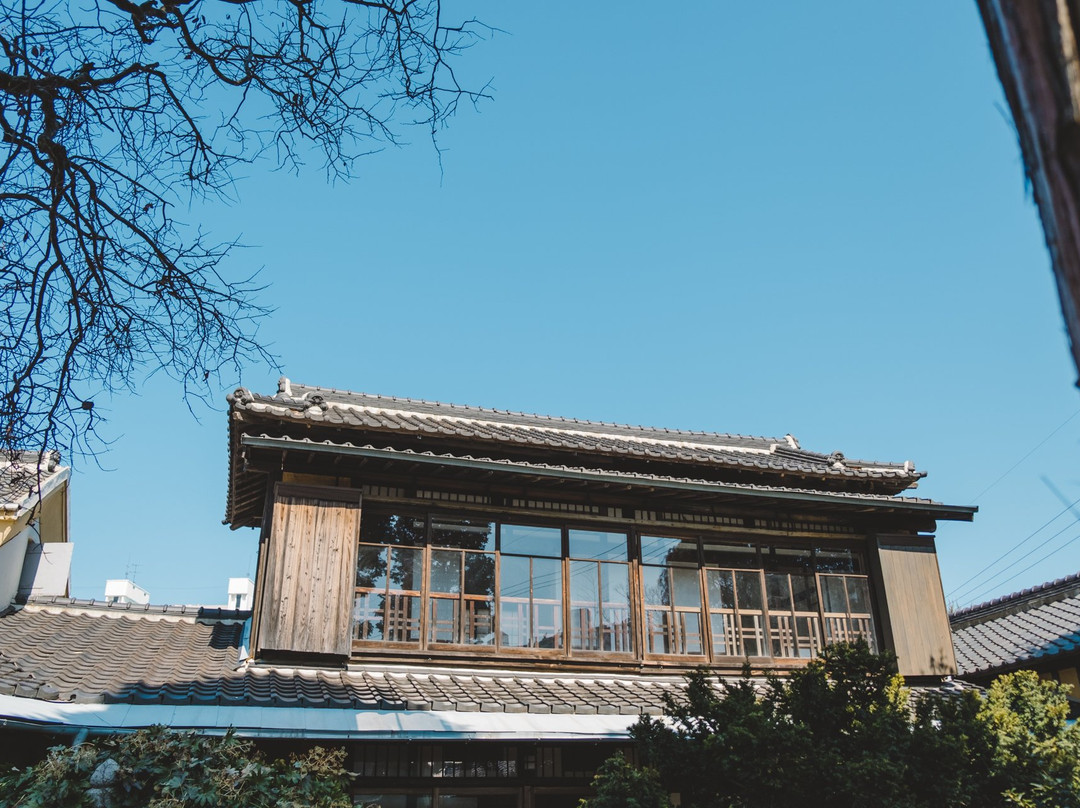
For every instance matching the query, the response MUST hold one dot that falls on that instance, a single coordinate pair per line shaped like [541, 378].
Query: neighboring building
[1036, 629]
[122, 590]
[241, 593]
[480, 603]
[35, 552]
[1034, 48]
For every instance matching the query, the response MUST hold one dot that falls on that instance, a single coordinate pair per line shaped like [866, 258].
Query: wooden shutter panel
[917, 618]
[307, 594]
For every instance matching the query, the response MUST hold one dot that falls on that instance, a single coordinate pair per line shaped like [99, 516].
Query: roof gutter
[309, 722]
[964, 513]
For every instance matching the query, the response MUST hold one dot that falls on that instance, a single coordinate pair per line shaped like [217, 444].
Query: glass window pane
[655, 549]
[515, 613]
[832, 590]
[723, 634]
[657, 587]
[479, 574]
[615, 584]
[584, 584]
[748, 589]
[530, 602]
[835, 560]
[381, 528]
[443, 620]
[584, 605]
[406, 568]
[721, 589]
[738, 556]
[368, 616]
[479, 621]
[804, 592]
[514, 575]
[687, 586]
[858, 595]
[661, 550]
[788, 558]
[779, 595]
[371, 567]
[615, 607]
[445, 571]
[547, 579]
[598, 544]
[690, 634]
[468, 534]
[531, 540]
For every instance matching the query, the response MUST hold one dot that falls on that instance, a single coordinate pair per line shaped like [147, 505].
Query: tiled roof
[1018, 630]
[362, 411]
[63, 652]
[57, 652]
[24, 477]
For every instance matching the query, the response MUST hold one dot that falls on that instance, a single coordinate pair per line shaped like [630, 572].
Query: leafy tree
[843, 731]
[620, 784]
[1036, 754]
[113, 113]
[158, 768]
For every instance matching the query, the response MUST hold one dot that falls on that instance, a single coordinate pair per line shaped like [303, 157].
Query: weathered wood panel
[307, 594]
[917, 618]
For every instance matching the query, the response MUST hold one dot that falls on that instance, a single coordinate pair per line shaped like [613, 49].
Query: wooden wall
[307, 586]
[915, 620]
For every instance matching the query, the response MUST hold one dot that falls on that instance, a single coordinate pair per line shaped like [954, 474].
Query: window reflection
[435, 581]
[530, 602]
[673, 622]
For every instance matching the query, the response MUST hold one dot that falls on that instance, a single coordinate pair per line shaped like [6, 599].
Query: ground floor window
[476, 774]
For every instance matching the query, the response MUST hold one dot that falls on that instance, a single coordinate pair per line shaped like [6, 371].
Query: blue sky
[734, 217]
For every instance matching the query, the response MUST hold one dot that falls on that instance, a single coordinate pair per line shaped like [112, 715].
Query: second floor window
[473, 583]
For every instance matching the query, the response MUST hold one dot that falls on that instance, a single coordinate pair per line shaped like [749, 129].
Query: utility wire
[1016, 547]
[1034, 449]
[1021, 558]
[1036, 563]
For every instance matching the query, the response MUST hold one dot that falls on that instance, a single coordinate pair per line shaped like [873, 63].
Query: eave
[603, 480]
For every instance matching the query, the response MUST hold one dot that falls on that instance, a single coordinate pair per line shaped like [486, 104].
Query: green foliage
[620, 784]
[1036, 759]
[158, 768]
[844, 732]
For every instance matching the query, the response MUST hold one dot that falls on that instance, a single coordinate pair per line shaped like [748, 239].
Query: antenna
[130, 571]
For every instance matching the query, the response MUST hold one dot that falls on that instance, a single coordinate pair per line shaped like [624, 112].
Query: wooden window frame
[638, 611]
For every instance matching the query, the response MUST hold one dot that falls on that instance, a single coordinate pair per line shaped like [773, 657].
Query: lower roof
[1032, 628]
[67, 666]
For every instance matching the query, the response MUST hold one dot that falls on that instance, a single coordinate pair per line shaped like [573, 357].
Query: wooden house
[480, 603]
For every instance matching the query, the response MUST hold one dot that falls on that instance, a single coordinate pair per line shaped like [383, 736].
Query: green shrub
[843, 732]
[158, 768]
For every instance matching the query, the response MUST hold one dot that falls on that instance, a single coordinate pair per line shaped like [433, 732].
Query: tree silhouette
[111, 114]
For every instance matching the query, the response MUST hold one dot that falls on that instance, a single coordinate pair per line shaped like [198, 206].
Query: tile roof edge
[1023, 600]
[787, 447]
[243, 394]
[91, 605]
[44, 485]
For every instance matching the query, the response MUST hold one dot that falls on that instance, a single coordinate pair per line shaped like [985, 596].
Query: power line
[1014, 548]
[1035, 563]
[1032, 451]
[1021, 558]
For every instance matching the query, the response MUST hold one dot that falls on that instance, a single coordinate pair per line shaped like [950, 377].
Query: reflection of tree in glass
[464, 534]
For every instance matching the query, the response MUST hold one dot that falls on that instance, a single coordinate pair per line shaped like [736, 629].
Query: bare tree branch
[111, 113]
